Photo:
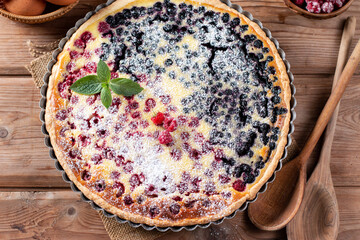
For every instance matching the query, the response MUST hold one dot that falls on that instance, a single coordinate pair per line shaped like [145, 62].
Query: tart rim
[273, 161]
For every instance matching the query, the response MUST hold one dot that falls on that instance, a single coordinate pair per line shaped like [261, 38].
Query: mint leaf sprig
[102, 84]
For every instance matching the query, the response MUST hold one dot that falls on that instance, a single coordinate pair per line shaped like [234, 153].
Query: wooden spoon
[280, 202]
[318, 215]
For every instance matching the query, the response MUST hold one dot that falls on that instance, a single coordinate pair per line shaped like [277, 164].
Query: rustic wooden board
[62, 215]
[48, 215]
[57, 213]
[24, 157]
[14, 54]
[311, 46]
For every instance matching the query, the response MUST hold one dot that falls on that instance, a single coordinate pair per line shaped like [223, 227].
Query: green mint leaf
[125, 87]
[103, 72]
[87, 85]
[106, 97]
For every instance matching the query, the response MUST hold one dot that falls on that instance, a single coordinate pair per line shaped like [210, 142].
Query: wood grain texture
[62, 215]
[322, 221]
[24, 158]
[48, 215]
[310, 46]
[331, 104]
[300, 38]
[14, 37]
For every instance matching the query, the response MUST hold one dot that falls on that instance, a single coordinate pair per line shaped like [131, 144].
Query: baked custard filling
[213, 115]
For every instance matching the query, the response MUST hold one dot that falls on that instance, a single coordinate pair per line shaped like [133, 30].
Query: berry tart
[202, 137]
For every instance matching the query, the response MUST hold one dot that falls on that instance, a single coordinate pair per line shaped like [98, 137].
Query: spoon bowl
[320, 218]
[269, 216]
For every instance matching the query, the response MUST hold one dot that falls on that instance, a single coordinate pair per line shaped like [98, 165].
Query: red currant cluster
[320, 6]
[170, 125]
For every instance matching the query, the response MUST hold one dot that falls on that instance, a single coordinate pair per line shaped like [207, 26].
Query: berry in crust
[202, 137]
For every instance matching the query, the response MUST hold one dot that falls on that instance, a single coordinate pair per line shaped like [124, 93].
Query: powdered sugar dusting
[202, 69]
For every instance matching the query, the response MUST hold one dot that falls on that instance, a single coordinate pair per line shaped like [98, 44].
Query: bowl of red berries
[319, 9]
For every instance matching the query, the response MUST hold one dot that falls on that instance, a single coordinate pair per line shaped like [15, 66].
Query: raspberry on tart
[202, 137]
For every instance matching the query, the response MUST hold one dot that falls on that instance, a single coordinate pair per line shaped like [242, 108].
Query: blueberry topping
[150, 10]
[171, 9]
[127, 13]
[269, 59]
[276, 99]
[119, 31]
[250, 38]
[182, 15]
[231, 82]
[248, 177]
[182, 5]
[168, 62]
[202, 9]
[235, 22]
[260, 164]
[225, 17]
[135, 12]
[242, 168]
[158, 6]
[243, 147]
[244, 28]
[271, 70]
[258, 44]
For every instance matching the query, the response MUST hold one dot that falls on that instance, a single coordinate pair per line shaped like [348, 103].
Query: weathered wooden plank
[26, 163]
[62, 215]
[349, 207]
[311, 46]
[24, 158]
[14, 54]
[312, 93]
[49, 215]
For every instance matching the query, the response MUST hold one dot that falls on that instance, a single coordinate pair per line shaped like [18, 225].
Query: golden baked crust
[209, 197]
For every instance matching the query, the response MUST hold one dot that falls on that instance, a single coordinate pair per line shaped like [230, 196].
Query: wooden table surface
[35, 203]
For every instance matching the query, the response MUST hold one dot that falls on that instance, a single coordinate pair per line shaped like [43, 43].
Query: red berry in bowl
[339, 3]
[327, 7]
[298, 2]
[313, 6]
[319, 1]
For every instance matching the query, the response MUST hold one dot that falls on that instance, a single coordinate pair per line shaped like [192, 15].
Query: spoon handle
[319, 219]
[331, 104]
[347, 36]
